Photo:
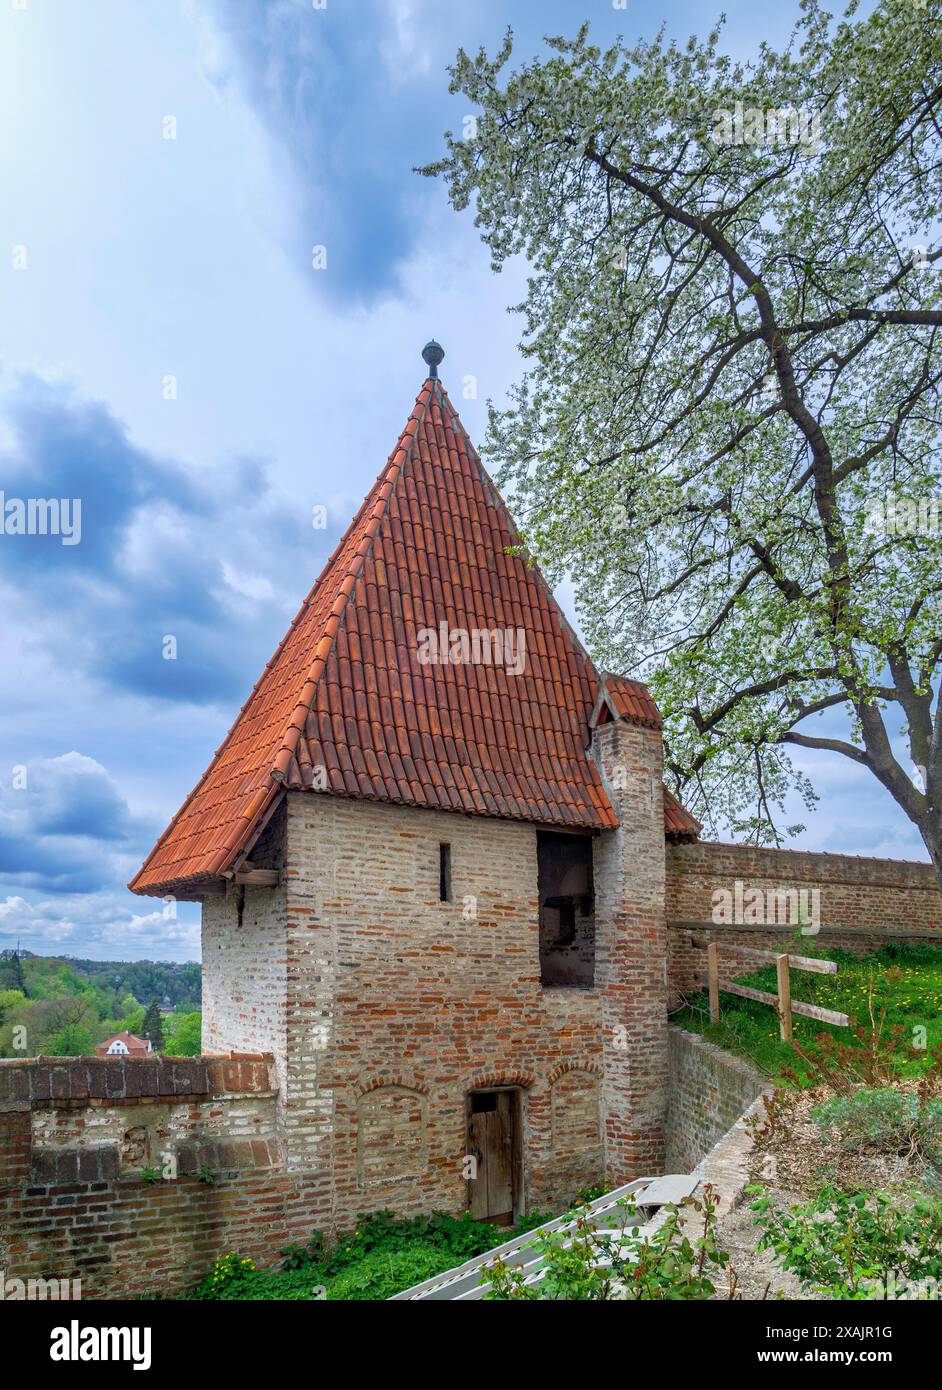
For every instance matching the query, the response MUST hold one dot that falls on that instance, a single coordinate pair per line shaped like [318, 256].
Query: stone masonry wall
[631, 940]
[864, 903]
[708, 1092]
[381, 1007]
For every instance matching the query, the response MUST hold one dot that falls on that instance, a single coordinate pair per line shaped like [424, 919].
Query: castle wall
[631, 944]
[381, 1007]
[862, 903]
[132, 1174]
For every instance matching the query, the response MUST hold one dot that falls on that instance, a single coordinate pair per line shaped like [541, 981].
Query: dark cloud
[356, 96]
[349, 104]
[182, 582]
[68, 829]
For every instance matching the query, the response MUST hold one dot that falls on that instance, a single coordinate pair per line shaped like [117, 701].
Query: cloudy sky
[169, 354]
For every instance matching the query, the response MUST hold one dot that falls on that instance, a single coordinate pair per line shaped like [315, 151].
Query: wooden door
[494, 1141]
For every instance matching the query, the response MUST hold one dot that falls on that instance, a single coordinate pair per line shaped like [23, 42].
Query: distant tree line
[63, 1007]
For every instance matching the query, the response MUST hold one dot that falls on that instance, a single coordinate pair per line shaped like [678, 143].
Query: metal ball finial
[433, 353]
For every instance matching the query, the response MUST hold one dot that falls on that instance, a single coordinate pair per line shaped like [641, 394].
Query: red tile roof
[679, 824]
[633, 701]
[346, 690]
[132, 1043]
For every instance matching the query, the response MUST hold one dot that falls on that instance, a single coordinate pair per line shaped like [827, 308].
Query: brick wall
[76, 1138]
[382, 1007]
[864, 902]
[709, 1090]
[399, 1004]
[631, 937]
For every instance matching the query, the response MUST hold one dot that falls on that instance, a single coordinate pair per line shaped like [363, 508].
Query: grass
[905, 980]
[383, 1256]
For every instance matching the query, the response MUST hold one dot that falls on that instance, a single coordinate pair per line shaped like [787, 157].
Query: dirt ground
[792, 1164]
[757, 1275]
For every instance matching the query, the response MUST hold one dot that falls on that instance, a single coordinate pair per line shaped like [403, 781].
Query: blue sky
[169, 354]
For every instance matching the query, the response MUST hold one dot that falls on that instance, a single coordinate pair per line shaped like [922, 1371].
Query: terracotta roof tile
[633, 701]
[346, 691]
[679, 824]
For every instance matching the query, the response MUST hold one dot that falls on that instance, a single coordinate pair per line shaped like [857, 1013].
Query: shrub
[596, 1265]
[887, 1121]
[856, 1245]
[591, 1194]
[384, 1255]
[299, 1256]
[877, 1118]
[229, 1273]
[928, 1136]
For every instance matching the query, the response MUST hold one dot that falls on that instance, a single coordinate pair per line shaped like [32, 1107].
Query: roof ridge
[395, 467]
[618, 676]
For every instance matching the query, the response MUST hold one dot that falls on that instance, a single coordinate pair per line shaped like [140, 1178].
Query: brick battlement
[71, 1081]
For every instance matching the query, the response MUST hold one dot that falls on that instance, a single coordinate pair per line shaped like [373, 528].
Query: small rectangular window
[444, 873]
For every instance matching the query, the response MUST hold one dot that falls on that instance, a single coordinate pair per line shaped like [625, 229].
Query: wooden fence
[781, 1001]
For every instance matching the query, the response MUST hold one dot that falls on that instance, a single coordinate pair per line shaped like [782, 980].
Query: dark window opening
[567, 910]
[567, 922]
[483, 1102]
[444, 873]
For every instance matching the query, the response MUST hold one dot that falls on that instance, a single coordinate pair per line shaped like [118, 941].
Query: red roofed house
[123, 1045]
[431, 858]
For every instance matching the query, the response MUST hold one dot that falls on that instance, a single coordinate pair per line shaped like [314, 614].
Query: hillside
[63, 1006]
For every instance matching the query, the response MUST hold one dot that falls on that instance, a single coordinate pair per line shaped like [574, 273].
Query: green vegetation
[383, 1256]
[62, 1008]
[894, 998]
[883, 1120]
[151, 1028]
[680, 1260]
[856, 1245]
[182, 1034]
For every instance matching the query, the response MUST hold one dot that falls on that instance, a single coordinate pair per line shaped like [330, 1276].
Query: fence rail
[781, 1001]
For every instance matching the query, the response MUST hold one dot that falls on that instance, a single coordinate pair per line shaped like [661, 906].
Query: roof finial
[433, 353]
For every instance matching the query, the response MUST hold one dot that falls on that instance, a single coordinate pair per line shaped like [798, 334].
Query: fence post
[713, 977]
[784, 997]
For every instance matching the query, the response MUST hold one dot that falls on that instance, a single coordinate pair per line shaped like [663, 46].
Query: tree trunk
[931, 831]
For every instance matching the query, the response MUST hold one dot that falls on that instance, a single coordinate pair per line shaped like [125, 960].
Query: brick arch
[402, 1076]
[588, 1064]
[575, 1102]
[498, 1076]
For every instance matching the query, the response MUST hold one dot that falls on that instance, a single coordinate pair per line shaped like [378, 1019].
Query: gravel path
[756, 1270]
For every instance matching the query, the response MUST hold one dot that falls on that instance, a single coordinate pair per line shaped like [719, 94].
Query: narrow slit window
[444, 873]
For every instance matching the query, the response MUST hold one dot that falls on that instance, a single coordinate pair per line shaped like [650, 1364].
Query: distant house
[123, 1045]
